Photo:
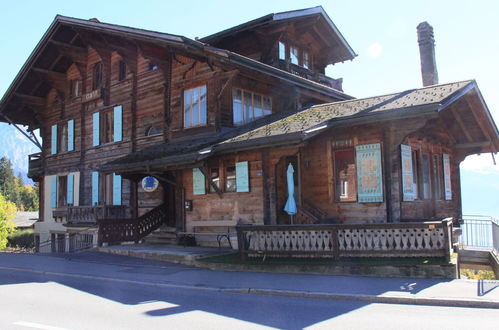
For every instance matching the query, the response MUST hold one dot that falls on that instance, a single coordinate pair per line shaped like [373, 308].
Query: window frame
[106, 117]
[199, 104]
[97, 72]
[302, 55]
[338, 183]
[263, 99]
[122, 70]
[62, 191]
[75, 88]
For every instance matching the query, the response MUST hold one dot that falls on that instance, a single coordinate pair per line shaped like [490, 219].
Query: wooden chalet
[143, 130]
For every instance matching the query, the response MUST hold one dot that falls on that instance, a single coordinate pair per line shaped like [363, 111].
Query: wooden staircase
[162, 235]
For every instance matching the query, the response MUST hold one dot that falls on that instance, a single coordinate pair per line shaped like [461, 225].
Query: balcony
[35, 166]
[81, 216]
[312, 75]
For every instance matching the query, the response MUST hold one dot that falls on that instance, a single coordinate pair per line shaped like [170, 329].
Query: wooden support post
[336, 244]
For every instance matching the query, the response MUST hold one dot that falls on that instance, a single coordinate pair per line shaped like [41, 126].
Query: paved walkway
[465, 293]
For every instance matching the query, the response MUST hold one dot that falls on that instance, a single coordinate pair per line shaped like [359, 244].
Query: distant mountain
[16, 147]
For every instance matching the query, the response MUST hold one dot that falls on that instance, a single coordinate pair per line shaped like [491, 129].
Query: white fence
[479, 232]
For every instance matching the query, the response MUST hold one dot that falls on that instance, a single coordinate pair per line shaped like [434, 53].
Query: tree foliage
[13, 189]
[7, 212]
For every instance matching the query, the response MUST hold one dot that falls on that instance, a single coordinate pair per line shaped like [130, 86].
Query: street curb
[429, 301]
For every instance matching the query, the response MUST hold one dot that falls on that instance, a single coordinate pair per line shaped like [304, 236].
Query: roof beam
[31, 100]
[473, 144]
[459, 120]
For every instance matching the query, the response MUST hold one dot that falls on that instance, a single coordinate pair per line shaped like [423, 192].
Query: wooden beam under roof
[481, 123]
[459, 120]
[30, 99]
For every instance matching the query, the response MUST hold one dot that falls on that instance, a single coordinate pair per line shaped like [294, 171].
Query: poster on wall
[369, 174]
[407, 175]
[447, 182]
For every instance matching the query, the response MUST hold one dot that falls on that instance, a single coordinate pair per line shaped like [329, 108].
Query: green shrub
[23, 239]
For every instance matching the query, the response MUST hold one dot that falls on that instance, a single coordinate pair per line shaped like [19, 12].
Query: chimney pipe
[427, 54]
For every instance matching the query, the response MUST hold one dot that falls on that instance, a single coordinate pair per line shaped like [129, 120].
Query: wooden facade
[218, 121]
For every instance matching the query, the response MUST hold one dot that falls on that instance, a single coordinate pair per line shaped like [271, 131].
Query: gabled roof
[283, 17]
[288, 129]
[159, 38]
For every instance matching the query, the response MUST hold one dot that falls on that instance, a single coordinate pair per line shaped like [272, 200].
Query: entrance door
[282, 187]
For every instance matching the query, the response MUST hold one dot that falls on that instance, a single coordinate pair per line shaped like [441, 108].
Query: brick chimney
[427, 54]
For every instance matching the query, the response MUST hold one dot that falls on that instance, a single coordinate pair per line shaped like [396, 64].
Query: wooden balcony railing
[425, 239]
[89, 215]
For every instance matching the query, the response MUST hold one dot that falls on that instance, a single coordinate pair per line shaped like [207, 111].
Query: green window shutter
[54, 140]
[118, 126]
[54, 192]
[198, 182]
[116, 189]
[242, 177]
[408, 191]
[95, 188]
[96, 129]
[447, 181]
[369, 174]
[71, 134]
[70, 190]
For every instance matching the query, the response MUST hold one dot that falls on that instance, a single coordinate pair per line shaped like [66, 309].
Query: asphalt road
[31, 300]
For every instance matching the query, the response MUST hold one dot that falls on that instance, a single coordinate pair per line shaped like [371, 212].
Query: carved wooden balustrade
[127, 230]
[425, 239]
[89, 215]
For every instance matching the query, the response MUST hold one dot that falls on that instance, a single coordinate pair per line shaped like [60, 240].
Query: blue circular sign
[150, 184]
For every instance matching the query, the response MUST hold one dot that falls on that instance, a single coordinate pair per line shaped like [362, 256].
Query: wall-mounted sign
[149, 184]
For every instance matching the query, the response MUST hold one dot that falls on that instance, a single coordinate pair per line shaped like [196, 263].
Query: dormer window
[294, 55]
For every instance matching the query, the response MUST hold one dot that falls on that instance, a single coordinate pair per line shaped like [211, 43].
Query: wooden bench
[220, 235]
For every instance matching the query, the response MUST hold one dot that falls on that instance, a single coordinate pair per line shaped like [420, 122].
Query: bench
[220, 235]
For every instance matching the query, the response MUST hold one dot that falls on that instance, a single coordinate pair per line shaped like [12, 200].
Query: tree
[28, 198]
[7, 180]
[7, 212]
[12, 188]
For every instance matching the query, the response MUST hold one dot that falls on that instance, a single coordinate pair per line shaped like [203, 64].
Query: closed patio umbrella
[290, 206]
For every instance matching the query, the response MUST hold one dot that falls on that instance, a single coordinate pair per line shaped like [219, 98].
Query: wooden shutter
[116, 189]
[54, 192]
[95, 188]
[54, 140]
[71, 133]
[369, 174]
[198, 182]
[242, 177]
[96, 129]
[447, 181]
[408, 191]
[118, 120]
[70, 190]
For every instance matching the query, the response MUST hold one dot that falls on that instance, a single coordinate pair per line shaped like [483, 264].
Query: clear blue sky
[382, 33]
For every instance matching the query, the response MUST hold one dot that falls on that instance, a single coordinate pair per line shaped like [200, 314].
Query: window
[62, 138]
[437, 175]
[152, 130]
[106, 189]
[195, 107]
[107, 126]
[62, 183]
[230, 178]
[215, 177]
[425, 169]
[74, 88]
[121, 70]
[152, 66]
[97, 76]
[248, 106]
[282, 51]
[415, 171]
[294, 54]
[345, 175]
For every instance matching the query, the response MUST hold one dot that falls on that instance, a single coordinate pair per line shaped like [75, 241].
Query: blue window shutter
[408, 191]
[70, 191]
[71, 135]
[54, 140]
[242, 177]
[447, 181]
[369, 174]
[198, 182]
[54, 192]
[118, 126]
[95, 188]
[96, 129]
[116, 189]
